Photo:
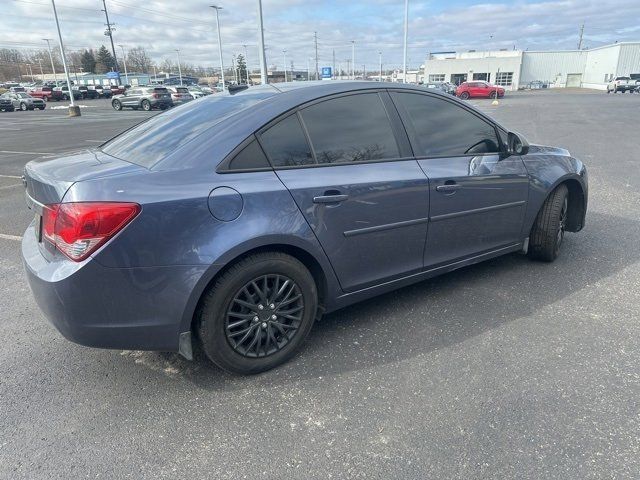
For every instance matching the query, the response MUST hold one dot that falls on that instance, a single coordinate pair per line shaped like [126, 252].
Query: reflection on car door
[367, 206]
[477, 194]
[131, 98]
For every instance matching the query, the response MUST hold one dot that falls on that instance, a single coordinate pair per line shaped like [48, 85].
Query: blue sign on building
[113, 74]
[326, 72]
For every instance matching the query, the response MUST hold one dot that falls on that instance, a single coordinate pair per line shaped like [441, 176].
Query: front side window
[353, 128]
[445, 129]
[286, 144]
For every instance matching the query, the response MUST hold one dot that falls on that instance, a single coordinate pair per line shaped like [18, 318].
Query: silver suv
[145, 98]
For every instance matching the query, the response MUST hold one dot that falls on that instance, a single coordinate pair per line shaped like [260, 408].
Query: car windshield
[151, 141]
[22, 95]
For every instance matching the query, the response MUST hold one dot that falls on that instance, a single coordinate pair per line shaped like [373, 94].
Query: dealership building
[512, 69]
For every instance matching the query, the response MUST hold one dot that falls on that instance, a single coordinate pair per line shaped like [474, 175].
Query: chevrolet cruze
[238, 220]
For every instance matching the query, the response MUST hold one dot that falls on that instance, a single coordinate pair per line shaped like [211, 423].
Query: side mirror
[517, 144]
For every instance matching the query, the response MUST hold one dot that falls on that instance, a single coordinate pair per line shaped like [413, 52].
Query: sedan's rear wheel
[548, 230]
[258, 313]
[464, 95]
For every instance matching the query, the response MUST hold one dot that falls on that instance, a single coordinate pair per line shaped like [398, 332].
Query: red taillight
[155, 95]
[79, 229]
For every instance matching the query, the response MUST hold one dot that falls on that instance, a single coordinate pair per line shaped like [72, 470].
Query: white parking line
[95, 141]
[10, 237]
[10, 176]
[27, 153]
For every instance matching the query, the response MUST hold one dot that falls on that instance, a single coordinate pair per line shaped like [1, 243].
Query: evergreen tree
[88, 61]
[241, 66]
[104, 60]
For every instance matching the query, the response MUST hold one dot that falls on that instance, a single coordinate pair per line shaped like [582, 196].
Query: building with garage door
[513, 69]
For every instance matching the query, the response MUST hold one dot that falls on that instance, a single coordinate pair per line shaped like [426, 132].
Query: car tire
[493, 95]
[117, 106]
[549, 227]
[464, 95]
[146, 106]
[45, 99]
[608, 91]
[24, 107]
[228, 330]
[65, 97]
[41, 108]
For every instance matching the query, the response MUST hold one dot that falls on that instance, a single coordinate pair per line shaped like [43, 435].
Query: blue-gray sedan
[238, 220]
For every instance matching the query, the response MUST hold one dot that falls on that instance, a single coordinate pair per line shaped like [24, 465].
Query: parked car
[180, 95]
[443, 86]
[64, 92]
[196, 92]
[23, 101]
[228, 223]
[478, 90]
[119, 89]
[6, 105]
[103, 92]
[46, 93]
[145, 98]
[621, 84]
[87, 92]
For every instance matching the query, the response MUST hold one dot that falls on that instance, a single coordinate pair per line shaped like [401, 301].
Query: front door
[477, 194]
[342, 162]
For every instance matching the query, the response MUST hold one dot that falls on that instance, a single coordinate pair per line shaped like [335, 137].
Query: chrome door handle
[448, 188]
[330, 198]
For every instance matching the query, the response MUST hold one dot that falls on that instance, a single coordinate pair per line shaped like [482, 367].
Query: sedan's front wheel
[258, 313]
[548, 230]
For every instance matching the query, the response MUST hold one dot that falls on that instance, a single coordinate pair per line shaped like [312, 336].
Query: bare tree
[138, 60]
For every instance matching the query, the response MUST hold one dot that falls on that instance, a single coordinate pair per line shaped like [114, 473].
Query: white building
[511, 69]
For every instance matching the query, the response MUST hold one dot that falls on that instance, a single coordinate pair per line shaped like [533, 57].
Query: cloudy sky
[375, 25]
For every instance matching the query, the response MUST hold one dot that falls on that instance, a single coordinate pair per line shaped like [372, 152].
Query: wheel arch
[318, 267]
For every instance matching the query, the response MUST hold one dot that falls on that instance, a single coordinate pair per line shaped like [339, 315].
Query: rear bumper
[121, 308]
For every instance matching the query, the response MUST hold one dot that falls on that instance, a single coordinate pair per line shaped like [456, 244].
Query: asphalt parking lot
[507, 369]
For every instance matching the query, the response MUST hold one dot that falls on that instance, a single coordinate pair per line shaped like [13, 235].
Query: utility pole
[353, 59]
[308, 69]
[41, 71]
[580, 39]
[234, 68]
[380, 58]
[53, 67]
[74, 111]
[315, 42]
[284, 63]
[246, 63]
[364, 72]
[179, 67]
[263, 57]
[406, 34]
[124, 60]
[333, 68]
[217, 9]
[109, 33]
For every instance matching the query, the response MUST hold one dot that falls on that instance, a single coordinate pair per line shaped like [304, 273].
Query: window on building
[504, 79]
[482, 76]
[443, 128]
[436, 77]
[458, 78]
[354, 128]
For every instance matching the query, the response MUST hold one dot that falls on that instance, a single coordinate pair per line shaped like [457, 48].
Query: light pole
[217, 9]
[380, 58]
[41, 70]
[263, 56]
[284, 63]
[74, 111]
[53, 68]
[308, 69]
[155, 74]
[353, 59]
[179, 67]
[364, 72]
[406, 34]
[124, 61]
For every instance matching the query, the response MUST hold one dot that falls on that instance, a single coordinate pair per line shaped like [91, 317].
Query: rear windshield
[160, 90]
[182, 90]
[151, 141]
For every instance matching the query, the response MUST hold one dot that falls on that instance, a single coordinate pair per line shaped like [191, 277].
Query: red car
[46, 93]
[478, 90]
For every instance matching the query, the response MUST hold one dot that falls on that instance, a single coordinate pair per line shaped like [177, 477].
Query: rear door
[349, 169]
[131, 97]
[478, 194]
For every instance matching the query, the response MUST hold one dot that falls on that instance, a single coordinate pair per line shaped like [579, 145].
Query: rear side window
[286, 144]
[445, 129]
[353, 128]
[250, 157]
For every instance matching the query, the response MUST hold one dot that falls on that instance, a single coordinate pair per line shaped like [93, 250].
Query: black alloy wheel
[264, 315]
